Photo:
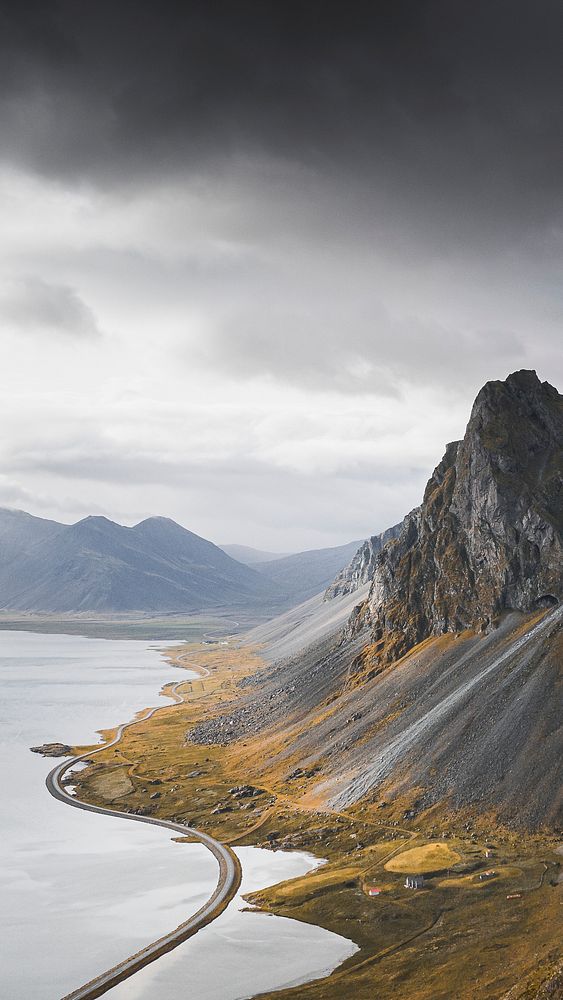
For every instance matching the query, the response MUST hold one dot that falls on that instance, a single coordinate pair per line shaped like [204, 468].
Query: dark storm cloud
[456, 102]
[33, 306]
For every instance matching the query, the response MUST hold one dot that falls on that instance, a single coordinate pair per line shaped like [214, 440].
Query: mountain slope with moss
[445, 683]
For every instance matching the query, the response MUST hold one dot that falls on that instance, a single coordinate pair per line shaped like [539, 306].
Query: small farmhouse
[414, 882]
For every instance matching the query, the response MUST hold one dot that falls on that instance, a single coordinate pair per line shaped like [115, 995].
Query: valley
[150, 628]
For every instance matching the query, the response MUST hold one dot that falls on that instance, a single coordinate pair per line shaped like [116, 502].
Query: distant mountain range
[305, 574]
[249, 556]
[99, 566]
[302, 575]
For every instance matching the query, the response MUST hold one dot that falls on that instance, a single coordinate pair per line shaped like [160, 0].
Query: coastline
[357, 843]
[228, 881]
[227, 884]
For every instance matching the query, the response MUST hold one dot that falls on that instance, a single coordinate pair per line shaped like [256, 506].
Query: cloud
[31, 305]
[16, 497]
[349, 347]
[452, 109]
[12, 494]
[313, 230]
[225, 498]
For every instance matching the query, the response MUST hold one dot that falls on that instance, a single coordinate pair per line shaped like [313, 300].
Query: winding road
[227, 883]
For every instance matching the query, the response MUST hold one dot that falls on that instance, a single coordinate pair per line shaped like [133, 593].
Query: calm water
[241, 954]
[79, 891]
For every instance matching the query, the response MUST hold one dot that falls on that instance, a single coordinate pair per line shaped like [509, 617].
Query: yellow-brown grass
[423, 860]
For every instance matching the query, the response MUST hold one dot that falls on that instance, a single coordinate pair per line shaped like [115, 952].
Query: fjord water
[244, 953]
[81, 892]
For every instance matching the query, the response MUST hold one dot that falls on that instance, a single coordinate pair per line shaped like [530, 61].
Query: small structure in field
[373, 890]
[488, 874]
[414, 882]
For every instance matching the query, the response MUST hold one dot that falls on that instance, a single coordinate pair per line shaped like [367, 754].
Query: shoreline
[357, 843]
[230, 872]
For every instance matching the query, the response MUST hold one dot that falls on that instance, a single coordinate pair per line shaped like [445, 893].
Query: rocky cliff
[488, 534]
[469, 719]
[361, 568]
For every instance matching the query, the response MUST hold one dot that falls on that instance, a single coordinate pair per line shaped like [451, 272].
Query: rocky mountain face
[469, 719]
[488, 534]
[361, 568]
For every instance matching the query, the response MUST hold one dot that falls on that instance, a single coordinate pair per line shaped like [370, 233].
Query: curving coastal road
[226, 888]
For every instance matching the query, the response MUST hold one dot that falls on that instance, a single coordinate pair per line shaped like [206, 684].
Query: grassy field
[424, 860]
[458, 938]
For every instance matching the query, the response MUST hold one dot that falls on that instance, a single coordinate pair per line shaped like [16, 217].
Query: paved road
[227, 882]
[217, 636]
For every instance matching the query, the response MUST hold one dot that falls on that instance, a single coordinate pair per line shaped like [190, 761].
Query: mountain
[441, 690]
[249, 556]
[98, 565]
[361, 567]
[157, 565]
[305, 574]
[487, 536]
[19, 532]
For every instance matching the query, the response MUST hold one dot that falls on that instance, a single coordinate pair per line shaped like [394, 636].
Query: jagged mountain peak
[523, 380]
[361, 567]
[487, 536]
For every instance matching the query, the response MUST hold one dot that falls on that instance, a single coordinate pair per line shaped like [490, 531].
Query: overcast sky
[258, 258]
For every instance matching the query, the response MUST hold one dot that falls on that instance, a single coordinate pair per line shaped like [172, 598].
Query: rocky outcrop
[488, 534]
[52, 750]
[362, 567]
